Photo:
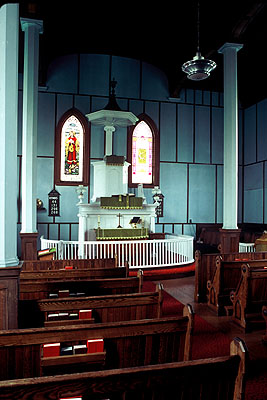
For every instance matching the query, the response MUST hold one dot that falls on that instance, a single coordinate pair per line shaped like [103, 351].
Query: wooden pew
[264, 314]
[40, 289]
[109, 308]
[208, 239]
[31, 291]
[225, 279]
[205, 265]
[126, 344]
[198, 379]
[42, 265]
[249, 297]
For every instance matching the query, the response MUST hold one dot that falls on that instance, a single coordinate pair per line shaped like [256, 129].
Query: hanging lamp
[199, 68]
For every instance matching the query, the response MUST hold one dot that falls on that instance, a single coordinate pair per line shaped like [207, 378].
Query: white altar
[111, 178]
[92, 216]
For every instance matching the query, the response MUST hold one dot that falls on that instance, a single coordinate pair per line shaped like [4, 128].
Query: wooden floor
[183, 290]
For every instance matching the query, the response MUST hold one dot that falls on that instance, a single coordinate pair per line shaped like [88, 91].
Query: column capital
[226, 46]
[109, 128]
[27, 22]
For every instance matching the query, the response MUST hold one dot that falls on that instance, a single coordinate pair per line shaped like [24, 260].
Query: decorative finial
[112, 103]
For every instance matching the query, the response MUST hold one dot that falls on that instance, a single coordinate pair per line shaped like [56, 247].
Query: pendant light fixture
[199, 68]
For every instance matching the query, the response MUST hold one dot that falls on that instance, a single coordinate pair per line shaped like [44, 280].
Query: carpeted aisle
[210, 342]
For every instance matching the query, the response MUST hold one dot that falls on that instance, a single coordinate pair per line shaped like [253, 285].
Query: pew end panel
[225, 280]
[249, 298]
[190, 314]
[264, 314]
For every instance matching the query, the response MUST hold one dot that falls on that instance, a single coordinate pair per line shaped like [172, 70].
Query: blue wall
[191, 141]
[255, 157]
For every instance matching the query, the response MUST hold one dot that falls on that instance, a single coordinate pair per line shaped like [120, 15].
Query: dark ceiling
[162, 33]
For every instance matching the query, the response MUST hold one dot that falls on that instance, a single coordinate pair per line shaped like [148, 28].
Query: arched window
[72, 149]
[143, 153]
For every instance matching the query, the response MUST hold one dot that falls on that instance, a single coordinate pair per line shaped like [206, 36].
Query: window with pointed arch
[72, 149]
[143, 153]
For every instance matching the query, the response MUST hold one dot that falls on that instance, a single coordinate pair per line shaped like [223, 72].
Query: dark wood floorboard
[183, 290]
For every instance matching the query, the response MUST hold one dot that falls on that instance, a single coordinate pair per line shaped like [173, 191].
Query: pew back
[42, 265]
[126, 344]
[198, 379]
[73, 274]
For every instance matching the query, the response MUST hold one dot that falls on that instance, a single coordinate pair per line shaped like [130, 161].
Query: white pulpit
[110, 178]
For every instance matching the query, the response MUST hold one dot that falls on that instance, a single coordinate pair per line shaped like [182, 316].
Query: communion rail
[246, 247]
[172, 251]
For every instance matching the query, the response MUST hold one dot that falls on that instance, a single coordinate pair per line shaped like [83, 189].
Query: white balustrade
[246, 247]
[172, 251]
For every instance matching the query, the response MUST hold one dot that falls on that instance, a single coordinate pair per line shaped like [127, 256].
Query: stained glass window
[142, 154]
[72, 149]
[72, 136]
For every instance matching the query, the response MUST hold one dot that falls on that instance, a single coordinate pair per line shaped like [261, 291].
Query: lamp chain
[198, 25]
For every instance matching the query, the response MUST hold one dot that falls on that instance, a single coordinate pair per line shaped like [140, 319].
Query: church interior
[133, 200]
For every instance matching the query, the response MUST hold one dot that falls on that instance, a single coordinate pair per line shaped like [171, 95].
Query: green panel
[173, 179]
[202, 134]
[202, 189]
[46, 124]
[185, 133]
[217, 135]
[168, 132]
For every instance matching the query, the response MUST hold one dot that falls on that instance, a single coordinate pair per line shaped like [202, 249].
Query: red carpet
[210, 342]
[168, 272]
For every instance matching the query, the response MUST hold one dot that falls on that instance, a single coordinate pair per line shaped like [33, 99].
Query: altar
[94, 220]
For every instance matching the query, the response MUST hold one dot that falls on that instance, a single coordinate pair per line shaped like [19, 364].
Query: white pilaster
[32, 28]
[230, 201]
[9, 25]
[82, 231]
